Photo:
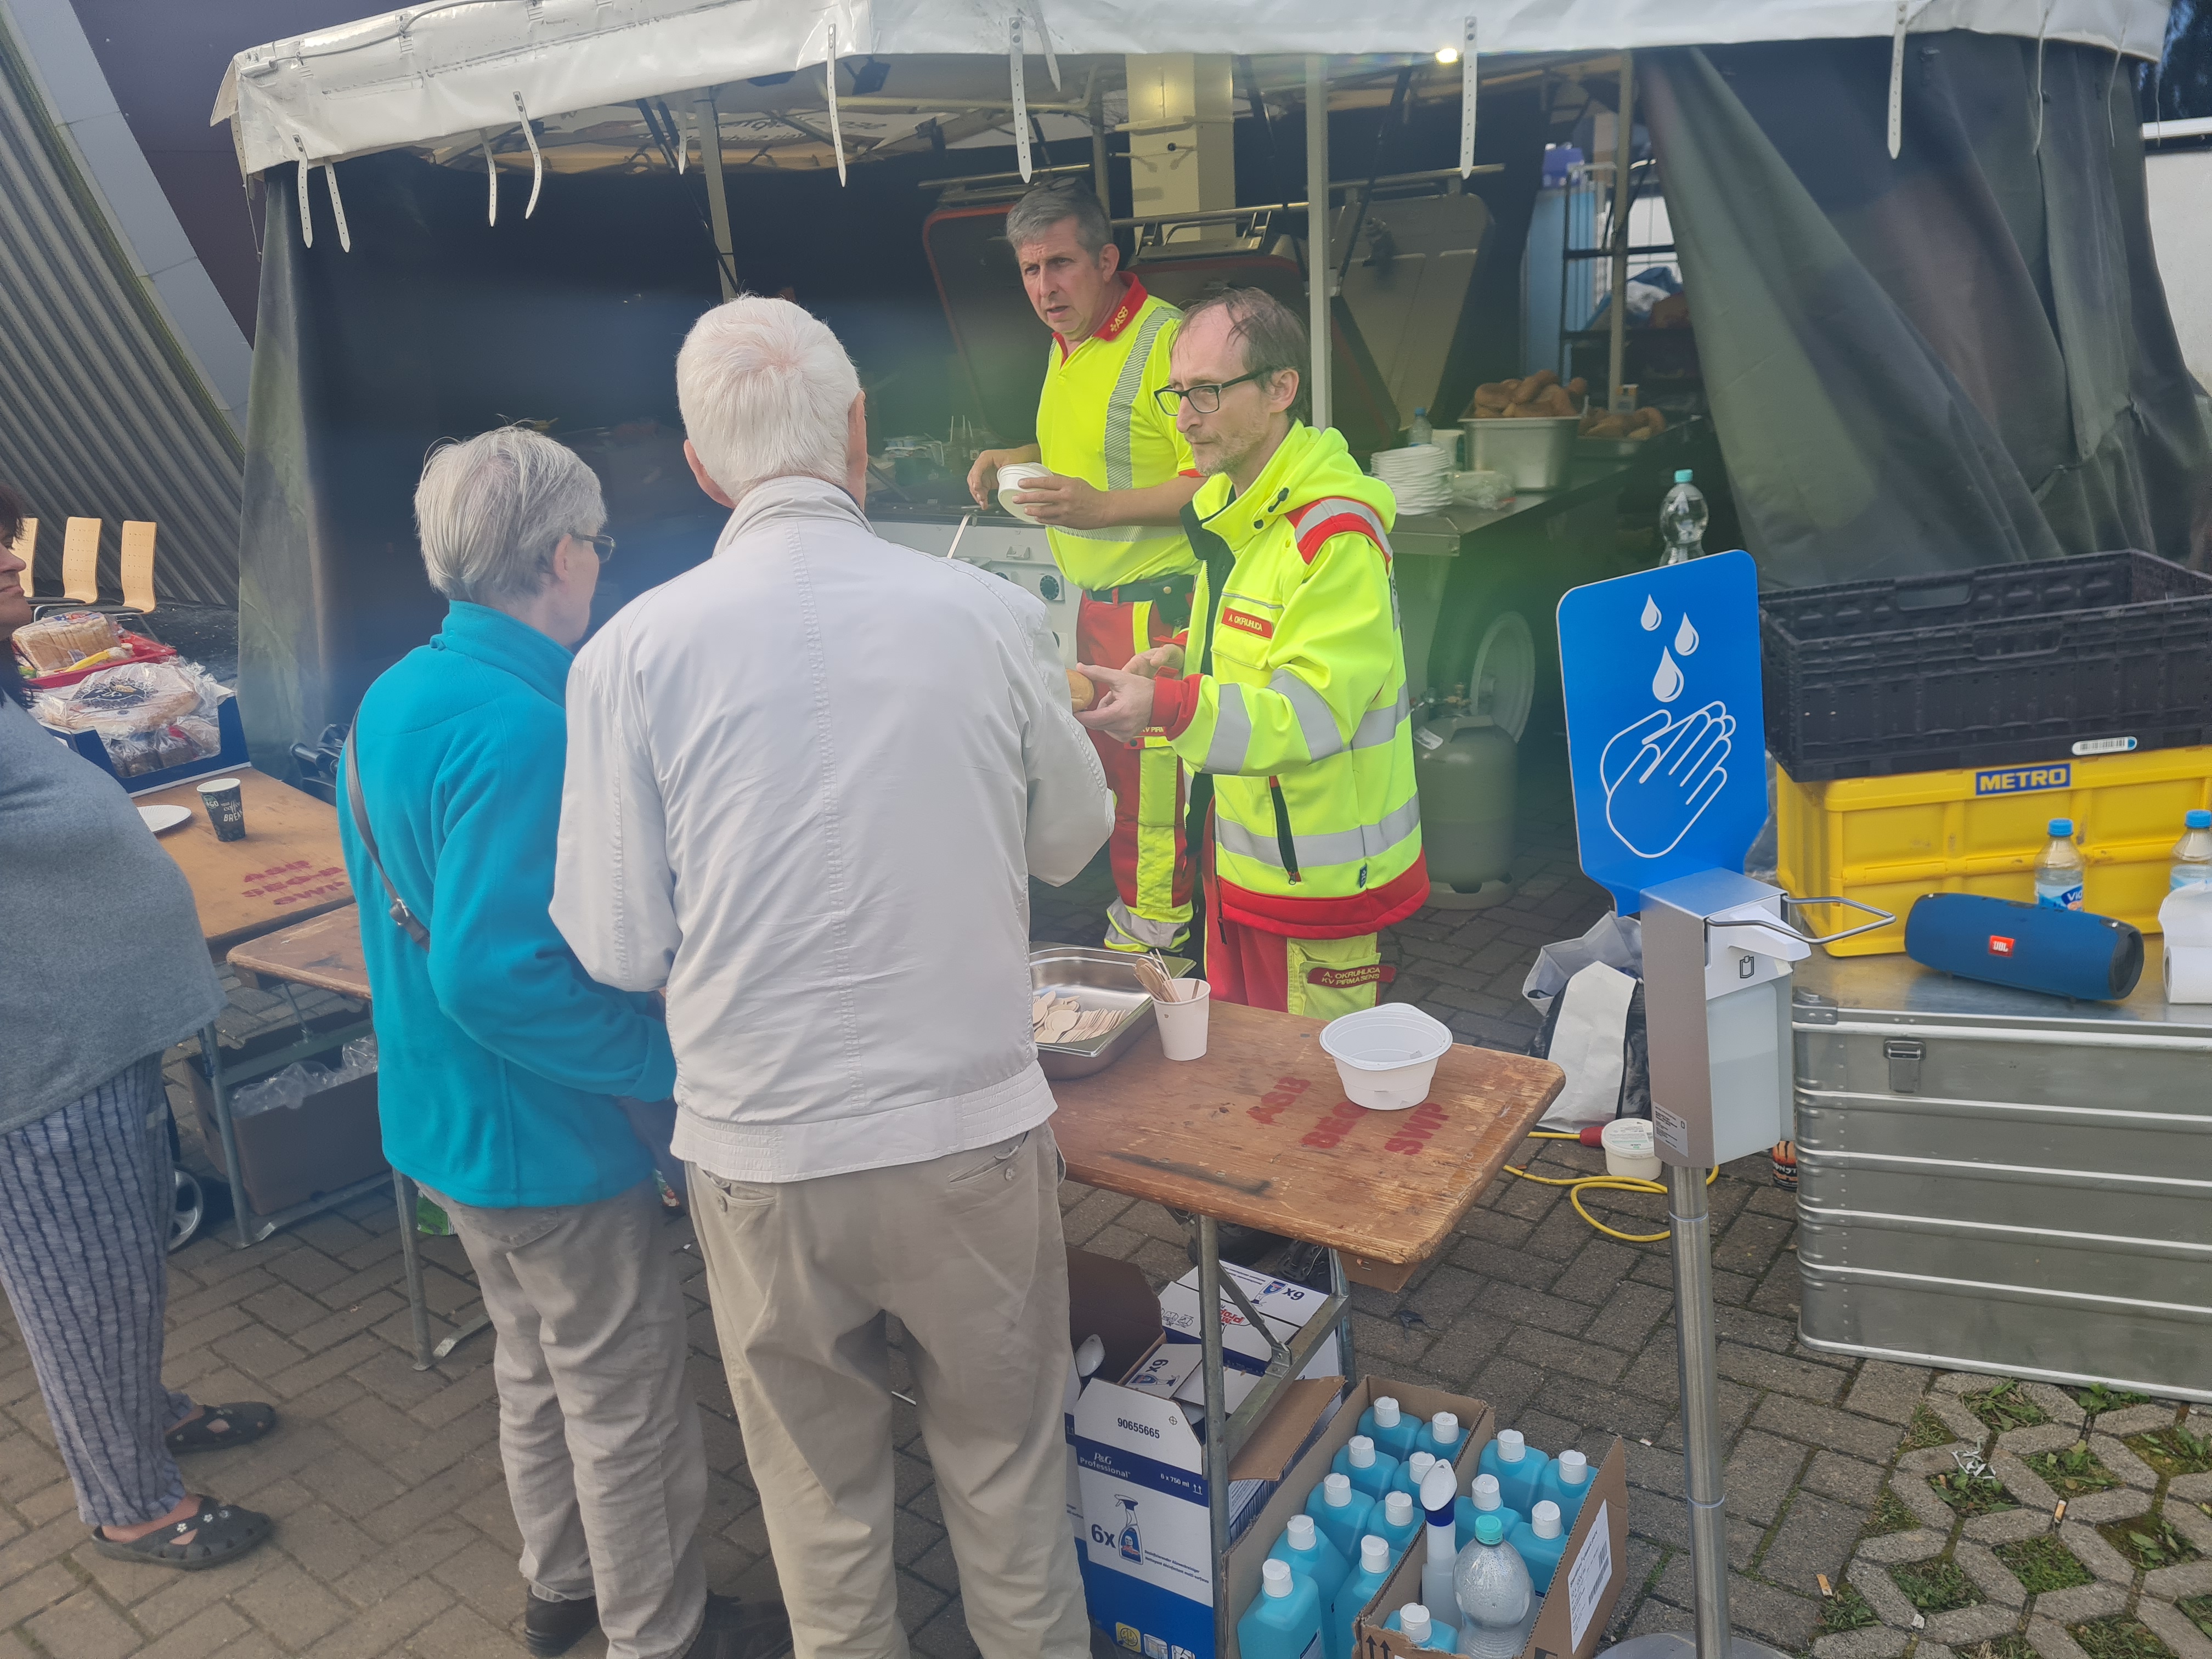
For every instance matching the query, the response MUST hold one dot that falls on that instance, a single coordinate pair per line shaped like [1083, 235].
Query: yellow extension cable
[1576, 1185]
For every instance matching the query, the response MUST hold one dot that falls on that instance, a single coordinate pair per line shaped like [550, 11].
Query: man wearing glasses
[1296, 718]
[1121, 475]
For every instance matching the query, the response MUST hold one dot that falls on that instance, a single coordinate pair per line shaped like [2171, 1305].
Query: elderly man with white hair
[504, 1066]
[807, 781]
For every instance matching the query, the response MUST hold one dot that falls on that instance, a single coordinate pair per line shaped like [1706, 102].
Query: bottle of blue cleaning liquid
[1425, 1633]
[1408, 1478]
[1368, 1469]
[1341, 1513]
[1397, 1518]
[1483, 1500]
[1442, 1437]
[1567, 1483]
[1519, 1467]
[1284, 1620]
[1497, 1600]
[1390, 1428]
[1364, 1584]
[1304, 1549]
[1541, 1540]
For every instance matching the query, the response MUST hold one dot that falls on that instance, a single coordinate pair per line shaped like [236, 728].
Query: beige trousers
[966, 1251]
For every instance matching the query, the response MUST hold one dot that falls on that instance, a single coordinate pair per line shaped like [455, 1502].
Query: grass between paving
[2042, 1564]
[2174, 1451]
[1845, 1610]
[1889, 1515]
[1935, 1586]
[2197, 1609]
[2073, 1470]
[2148, 1542]
[2005, 1406]
[1926, 1430]
[2098, 1398]
[2119, 1638]
[2011, 1645]
[1973, 1494]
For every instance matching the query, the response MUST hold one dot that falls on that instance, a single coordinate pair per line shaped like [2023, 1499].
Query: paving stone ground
[394, 1535]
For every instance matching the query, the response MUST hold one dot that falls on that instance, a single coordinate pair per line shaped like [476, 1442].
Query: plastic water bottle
[1399, 1520]
[1421, 431]
[1540, 1540]
[1341, 1513]
[1413, 1472]
[1422, 1629]
[2192, 853]
[1682, 520]
[1284, 1619]
[1367, 1469]
[1362, 1587]
[2058, 869]
[1483, 1500]
[1567, 1483]
[1442, 1437]
[1497, 1599]
[1519, 1467]
[1438, 1488]
[1390, 1428]
[1307, 1553]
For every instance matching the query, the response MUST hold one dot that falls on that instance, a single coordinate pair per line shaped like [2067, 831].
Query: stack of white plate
[1419, 476]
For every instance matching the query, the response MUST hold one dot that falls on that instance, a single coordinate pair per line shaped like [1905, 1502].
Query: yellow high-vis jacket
[1297, 703]
[1098, 421]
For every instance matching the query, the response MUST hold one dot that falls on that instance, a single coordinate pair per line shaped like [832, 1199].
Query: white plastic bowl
[1018, 476]
[1386, 1055]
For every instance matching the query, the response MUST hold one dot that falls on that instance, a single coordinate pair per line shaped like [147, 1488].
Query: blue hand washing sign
[1666, 735]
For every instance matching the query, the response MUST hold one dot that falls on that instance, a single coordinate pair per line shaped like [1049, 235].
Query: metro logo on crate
[1888, 841]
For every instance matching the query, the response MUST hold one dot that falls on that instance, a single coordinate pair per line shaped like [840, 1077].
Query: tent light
[1448, 54]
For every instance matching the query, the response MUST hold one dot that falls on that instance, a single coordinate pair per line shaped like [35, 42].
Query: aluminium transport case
[2001, 1182]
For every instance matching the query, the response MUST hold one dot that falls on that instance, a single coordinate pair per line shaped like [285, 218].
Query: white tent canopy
[447, 69]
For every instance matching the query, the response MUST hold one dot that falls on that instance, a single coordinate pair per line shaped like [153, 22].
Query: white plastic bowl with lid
[1018, 476]
[1386, 1055]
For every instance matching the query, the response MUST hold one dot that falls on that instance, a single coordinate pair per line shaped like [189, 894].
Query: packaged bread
[54, 643]
[134, 698]
[1081, 693]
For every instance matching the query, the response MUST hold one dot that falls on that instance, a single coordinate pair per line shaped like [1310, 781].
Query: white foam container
[1386, 1055]
[1014, 477]
[1629, 1149]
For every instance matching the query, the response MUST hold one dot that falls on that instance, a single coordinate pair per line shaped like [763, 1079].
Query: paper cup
[1629, 1149]
[225, 801]
[1183, 1024]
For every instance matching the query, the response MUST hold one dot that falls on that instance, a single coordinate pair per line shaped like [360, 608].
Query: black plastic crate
[2007, 663]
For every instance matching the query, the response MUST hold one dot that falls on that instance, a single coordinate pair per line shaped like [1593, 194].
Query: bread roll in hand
[1081, 693]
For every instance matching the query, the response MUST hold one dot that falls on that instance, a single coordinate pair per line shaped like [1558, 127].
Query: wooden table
[325, 952]
[1258, 1132]
[288, 867]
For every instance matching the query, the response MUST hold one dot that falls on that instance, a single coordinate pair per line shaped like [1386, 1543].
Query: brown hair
[14, 509]
[1268, 333]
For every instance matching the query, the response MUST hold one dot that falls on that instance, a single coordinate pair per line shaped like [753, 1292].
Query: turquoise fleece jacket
[499, 1058]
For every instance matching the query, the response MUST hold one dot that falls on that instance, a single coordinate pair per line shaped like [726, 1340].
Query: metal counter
[2002, 1181]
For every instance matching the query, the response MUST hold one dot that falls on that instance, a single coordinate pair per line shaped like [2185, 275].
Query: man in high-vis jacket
[1121, 476]
[1296, 715]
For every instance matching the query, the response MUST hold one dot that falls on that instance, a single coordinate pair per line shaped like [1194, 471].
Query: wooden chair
[81, 561]
[80, 570]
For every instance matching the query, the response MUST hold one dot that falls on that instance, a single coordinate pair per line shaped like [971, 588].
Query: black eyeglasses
[602, 545]
[1205, 399]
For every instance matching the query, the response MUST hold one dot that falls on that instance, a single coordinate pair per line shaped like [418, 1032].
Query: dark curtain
[1960, 357]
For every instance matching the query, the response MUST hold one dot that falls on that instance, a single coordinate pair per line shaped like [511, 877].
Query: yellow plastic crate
[1885, 841]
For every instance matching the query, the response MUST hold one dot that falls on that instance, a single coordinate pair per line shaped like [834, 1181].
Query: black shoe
[734, 1629]
[551, 1628]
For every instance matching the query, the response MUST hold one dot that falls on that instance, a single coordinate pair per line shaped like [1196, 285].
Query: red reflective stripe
[1327, 918]
[1311, 537]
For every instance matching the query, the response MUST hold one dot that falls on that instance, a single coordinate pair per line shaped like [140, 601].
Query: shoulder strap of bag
[405, 918]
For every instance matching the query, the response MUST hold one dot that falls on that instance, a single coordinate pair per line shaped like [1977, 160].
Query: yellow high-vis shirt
[1098, 421]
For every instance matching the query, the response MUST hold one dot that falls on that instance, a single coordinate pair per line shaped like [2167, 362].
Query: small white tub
[1017, 476]
[1631, 1149]
[1387, 1055]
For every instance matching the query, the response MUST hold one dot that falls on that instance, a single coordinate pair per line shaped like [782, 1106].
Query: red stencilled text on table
[1337, 1122]
[312, 893]
[283, 880]
[1413, 1131]
[1284, 1093]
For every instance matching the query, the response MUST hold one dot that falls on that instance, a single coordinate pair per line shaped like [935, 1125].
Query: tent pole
[1100, 184]
[1623, 159]
[1318, 264]
[718, 203]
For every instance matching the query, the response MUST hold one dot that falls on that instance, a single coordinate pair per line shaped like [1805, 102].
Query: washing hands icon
[1662, 773]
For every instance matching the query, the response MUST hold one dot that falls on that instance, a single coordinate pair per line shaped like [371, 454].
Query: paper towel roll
[2189, 973]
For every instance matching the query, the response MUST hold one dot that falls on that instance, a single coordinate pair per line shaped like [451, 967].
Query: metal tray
[1096, 979]
[1613, 449]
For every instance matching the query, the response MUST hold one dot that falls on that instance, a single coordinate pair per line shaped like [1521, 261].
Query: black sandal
[221, 1532]
[249, 1420]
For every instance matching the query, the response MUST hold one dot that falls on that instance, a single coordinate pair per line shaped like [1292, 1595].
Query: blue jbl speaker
[2064, 953]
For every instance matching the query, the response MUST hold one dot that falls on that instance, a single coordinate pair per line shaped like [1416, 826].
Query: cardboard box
[1583, 1594]
[1289, 1498]
[1284, 1306]
[290, 1155]
[228, 758]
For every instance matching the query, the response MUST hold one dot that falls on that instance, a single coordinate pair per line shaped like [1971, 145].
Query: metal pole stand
[1691, 1219]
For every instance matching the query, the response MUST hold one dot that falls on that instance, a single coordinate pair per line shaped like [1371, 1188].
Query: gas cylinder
[1464, 767]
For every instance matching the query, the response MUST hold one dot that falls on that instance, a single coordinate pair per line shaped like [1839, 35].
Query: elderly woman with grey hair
[504, 1064]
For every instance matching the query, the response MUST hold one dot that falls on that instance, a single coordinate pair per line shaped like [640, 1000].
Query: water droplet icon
[1686, 637]
[1667, 684]
[1651, 618]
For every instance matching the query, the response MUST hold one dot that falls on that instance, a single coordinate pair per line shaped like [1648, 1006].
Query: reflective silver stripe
[1314, 721]
[1343, 847]
[1232, 730]
[1379, 726]
[1121, 408]
[1232, 597]
[1315, 512]
[1143, 931]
